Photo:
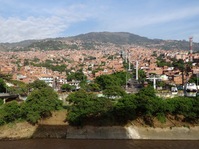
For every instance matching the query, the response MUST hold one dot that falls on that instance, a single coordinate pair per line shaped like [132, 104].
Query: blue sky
[39, 19]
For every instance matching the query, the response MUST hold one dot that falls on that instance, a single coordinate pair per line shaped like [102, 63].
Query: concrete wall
[22, 131]
[132, 132]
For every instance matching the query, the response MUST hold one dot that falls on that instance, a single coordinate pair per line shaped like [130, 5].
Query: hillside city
[24, 65]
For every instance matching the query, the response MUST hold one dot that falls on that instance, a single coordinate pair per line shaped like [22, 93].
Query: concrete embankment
[133, 132]
[91, 132]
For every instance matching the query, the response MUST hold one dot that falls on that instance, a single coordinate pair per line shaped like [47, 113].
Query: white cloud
[55, 22]
[15, 29]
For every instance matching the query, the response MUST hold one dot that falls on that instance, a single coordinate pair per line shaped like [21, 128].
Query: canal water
[97, 144]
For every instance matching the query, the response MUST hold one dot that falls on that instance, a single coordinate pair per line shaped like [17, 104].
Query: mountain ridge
[89, 40]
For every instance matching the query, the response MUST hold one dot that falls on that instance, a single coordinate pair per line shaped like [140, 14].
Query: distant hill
[90, 40]
[120, 38]
[17, 45]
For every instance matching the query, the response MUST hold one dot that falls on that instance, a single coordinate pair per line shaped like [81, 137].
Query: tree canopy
[114, 92]
[10, 112]
[40, 103]
[79, 76]
[86, 105]
[115, 79]
[2, 86]
[67, 87]
[37, 84]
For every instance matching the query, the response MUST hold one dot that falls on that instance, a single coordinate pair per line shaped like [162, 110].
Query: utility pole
[154, 81]
[126, 56]
[190, 48]
[129, 60]
[137, 70]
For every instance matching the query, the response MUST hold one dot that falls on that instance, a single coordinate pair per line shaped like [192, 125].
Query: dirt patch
[17, 130]
[26, 130]
[57, 118]
[170, 122]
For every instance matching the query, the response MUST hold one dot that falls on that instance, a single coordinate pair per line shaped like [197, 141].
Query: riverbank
[133, 132]
[26, 131]
[56, 127]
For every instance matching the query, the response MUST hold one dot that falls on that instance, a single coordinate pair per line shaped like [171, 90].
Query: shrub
[161, 117]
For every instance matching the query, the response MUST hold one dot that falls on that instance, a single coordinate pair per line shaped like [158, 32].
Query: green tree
[66, 87]
[2, 86]
[79, 109]
[18, 88]
[83, 84]
[2, 121]
[86, 106]
[6, 77]
[53, 65]
[161, 84]
[26, 62]
[125, 109]
[148, 104]
[93, 87]
[147, 91]
[40, 103]
[162, 63]
[1, 101]
[37, 84]
[36, 59]
[80, 95]
[115, 79]
[188, 107]
[79, 75]
[195, 110]
[107, 80]
[194, 79]
[141, 75]
[114, 91]
[11, 111]
[121, 77]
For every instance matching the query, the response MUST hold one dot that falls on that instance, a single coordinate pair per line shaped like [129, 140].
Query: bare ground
[58, 118]
[26, 130]
[170, 122]
[17, 130]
